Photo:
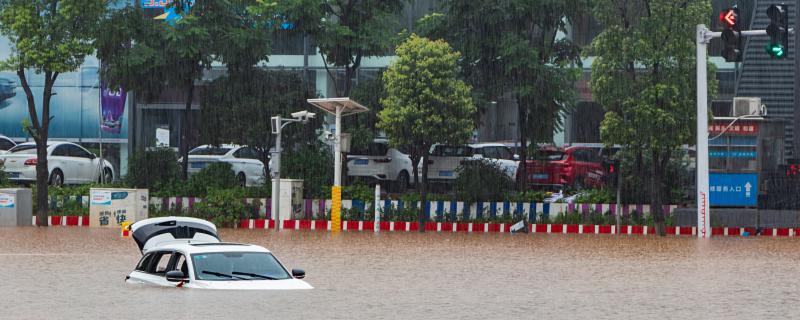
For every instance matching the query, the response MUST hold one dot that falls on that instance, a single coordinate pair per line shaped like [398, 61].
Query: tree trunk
[415, 169]
[39, 131]
[423, 191]
[186, 129]
[656, 196]
[522, 169]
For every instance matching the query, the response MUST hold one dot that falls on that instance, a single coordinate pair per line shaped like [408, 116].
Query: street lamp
[338, 107]
[277, 125]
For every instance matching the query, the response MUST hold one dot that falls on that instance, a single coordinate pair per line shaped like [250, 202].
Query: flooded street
[71, 273]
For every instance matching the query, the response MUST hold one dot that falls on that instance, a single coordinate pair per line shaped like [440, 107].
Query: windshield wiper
[218, 274]
[254, 275]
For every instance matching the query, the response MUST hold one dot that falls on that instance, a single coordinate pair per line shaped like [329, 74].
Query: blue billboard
[75, 106]
[733, 189]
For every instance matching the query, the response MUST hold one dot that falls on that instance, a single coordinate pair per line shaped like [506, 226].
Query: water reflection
[78, 273]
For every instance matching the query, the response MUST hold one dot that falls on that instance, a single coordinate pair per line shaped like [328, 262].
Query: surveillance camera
[303, 115]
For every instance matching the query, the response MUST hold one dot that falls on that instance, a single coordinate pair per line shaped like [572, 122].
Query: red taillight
[384, 160]
[30, 162]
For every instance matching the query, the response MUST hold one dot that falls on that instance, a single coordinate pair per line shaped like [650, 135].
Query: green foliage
[426, 103]
[150, 169]
[248, 100]
[3, 178]
[223, 207]
[595, 196]
[481, 180]
[363, 126]
[312, 163]
[345, 31]
[358, 192]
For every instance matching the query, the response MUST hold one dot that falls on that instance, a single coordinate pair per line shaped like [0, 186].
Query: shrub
[152, 169]
[481, 180]
[3, 178]
[222, 207]
[312, 163]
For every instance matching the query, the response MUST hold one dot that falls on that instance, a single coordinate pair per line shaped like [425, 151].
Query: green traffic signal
[776, 50]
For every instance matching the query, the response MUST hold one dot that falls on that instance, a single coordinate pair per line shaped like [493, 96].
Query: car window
[504, 153]
[372, 149]
[489, 152]
[160, 262]
[6, 144]
[61, 151]
[452, 151]
[180, 264]
[24, 149]
[209, 151]
[144, 262]
[75, 151]
[246, 153]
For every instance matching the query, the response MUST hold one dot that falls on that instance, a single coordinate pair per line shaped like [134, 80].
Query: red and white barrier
[82, 221]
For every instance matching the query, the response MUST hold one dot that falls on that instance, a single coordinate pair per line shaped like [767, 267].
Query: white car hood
[288, 284]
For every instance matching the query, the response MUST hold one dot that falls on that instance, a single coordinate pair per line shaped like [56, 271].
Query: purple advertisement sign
[112, 107]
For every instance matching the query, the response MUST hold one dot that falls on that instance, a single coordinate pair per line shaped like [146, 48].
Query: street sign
[733, 189]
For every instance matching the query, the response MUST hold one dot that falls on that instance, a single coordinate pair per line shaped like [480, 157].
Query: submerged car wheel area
[186, 252]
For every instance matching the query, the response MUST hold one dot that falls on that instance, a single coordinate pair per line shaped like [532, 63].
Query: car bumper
[25, 175]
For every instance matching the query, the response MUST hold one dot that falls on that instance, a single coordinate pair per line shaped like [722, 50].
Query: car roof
[226, 146]
[50, 143]
[210, 247]
[487, 144]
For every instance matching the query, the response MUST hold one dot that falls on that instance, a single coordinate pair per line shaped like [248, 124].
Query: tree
[345, 31]
[48, 37]
[238, 109]
[426, 102]
[644, 78]
[512, 47]
[148, 55]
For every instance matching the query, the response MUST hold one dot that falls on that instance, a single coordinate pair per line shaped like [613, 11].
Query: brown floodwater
[74, 273]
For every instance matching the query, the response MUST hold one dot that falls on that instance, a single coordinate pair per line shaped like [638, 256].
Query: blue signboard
[733, 189]
[732, 154]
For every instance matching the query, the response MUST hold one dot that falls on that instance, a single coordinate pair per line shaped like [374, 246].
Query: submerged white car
[186, 252]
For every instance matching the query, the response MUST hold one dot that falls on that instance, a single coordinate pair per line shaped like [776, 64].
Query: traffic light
[731, 35]
[778, 31]
[611, 167]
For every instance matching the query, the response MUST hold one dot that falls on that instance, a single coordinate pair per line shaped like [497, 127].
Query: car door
[248, 162]
[59, 159]
[153, 267]
[83, 161]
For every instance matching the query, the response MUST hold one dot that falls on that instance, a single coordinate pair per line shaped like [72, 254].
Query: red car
[576, 167]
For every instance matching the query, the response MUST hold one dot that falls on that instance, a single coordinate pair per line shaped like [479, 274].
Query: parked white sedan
[186, 252]
[67, 163]
[245, 162]
[445, 159]
[382, 163]
[6, 144]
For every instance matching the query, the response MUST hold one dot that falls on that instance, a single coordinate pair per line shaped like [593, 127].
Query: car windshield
[550, 155]
[209, 151]
[24, 149]
[223, 266]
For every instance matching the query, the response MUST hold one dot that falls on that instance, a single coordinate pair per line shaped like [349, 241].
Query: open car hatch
[151, 233]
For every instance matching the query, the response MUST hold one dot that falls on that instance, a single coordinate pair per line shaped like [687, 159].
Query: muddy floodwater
[78, 273]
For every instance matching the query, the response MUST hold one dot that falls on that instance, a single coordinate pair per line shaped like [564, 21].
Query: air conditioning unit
[746, 106]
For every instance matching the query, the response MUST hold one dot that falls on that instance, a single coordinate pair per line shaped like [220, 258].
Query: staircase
[766, 77]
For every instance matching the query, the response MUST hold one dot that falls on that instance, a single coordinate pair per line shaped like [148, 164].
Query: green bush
[152, 169]
[3, 178]
[221, 207]
[358, 192]
[481, 180]
[312, 163]
[595, 196]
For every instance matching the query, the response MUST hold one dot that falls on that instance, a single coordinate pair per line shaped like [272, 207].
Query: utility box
[291, 199]
[112, 207]
[16, 207]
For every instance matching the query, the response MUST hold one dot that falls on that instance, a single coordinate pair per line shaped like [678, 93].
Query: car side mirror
[94, 156]
[298, 273]
[176, 276]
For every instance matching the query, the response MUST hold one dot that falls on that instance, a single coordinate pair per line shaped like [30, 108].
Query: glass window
[504, 153]
[61, 151]
[237, 266]
[6, 144]
[161, 262]
[76, 151]
[209, 151]
[24, 149]
[144, 262]
[373, 149]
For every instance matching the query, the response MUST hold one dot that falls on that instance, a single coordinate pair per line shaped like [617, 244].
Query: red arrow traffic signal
[729, 17]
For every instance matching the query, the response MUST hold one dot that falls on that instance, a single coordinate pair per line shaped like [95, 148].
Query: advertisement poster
[7, 200]
[111, 207]
[112, 107]
[101, 197]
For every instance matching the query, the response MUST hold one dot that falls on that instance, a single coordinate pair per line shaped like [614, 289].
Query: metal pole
[703, 207]
[276, 180]
[376, 205]
[618, 207]
[100, 134]
[336, 193]
[796, 123]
